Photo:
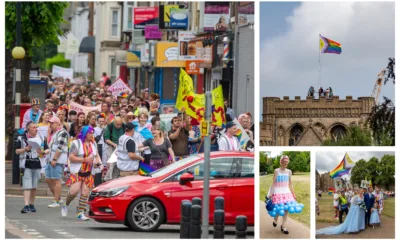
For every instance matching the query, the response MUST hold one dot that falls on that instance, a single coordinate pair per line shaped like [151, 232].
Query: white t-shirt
[97, 132]
[228, 144]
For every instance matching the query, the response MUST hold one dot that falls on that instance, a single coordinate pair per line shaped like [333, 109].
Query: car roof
[228, 153]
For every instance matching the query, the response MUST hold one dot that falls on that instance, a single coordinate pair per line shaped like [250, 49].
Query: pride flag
[331, 191]
[329, 46]
[145, 169]
[339, 171]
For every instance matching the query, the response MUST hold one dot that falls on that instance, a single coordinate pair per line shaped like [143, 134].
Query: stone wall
[314, 120]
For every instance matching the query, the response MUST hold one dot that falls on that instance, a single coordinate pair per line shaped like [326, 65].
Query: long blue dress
[374, 217]
[354, 222]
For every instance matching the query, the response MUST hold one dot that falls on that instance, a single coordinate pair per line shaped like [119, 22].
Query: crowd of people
[59, 143]
[362, 208]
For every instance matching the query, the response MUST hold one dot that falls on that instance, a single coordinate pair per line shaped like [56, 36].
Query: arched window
[295, 134]
[338, 132]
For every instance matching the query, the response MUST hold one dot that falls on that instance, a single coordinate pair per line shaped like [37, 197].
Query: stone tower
[311, 121]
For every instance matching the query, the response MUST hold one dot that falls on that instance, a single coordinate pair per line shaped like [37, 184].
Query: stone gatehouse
[311, 121]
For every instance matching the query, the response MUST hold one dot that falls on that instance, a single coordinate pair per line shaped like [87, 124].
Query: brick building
[311, 121]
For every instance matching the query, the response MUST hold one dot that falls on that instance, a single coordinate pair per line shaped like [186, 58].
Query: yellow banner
[218, 110]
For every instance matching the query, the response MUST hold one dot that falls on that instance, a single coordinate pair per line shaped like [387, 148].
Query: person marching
[84, 159]
[343, 206]
[128, 154]
[30, 163]
[282, 194]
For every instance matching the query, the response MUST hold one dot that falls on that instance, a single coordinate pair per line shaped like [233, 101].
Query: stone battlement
[309, 107]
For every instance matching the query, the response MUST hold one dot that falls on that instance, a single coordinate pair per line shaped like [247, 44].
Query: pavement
[15, 189]
[296, 229]
[385, 231]
[48, 223]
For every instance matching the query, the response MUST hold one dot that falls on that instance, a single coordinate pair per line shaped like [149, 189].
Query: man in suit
[369, 200]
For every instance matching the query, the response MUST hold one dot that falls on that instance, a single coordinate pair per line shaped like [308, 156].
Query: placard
[80, 108]
[119, 86]
[62, 72]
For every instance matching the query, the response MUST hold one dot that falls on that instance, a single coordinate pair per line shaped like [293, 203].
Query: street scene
[123, 117]
[355, 195]
[284, 195]
[342, 95]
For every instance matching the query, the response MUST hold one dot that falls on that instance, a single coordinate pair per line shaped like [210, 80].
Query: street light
[18, 54]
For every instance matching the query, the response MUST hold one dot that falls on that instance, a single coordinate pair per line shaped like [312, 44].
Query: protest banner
[80, 108]
[119, 86]
[62, 72]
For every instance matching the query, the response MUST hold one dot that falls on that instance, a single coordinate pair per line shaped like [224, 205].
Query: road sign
[192, 66]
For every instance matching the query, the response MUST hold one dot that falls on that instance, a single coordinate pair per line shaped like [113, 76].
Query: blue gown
[374, 217]
[354, 222]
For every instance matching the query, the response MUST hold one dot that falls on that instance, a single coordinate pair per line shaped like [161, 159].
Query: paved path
[48, 223]
[295, 228]
[386, 231]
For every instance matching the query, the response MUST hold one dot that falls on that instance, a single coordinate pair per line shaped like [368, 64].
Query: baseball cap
[130, 126]
[55, 120]
[230, 124]
[35, 101]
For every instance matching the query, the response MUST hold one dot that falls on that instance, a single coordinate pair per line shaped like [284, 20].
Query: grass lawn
[389, 209]
[327, 212]
[301, 185]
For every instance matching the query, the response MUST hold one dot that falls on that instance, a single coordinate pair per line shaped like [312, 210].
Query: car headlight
[112, 192]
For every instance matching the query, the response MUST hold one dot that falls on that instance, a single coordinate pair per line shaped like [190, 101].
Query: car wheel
[145, 214]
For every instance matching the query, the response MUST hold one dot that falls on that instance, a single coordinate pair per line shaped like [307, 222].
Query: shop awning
[87, 45]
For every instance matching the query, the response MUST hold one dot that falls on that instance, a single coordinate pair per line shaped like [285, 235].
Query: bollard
[219, 224]
[219, 203]
[186, 206]
[195, 223]
[241, 227]
[196, 201]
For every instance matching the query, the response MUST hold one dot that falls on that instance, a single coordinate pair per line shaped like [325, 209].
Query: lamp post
[18, 54]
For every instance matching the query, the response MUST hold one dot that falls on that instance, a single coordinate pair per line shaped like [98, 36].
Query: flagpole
[319, 64]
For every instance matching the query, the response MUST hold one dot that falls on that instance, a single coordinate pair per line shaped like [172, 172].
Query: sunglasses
[132, 100]
[131, 117]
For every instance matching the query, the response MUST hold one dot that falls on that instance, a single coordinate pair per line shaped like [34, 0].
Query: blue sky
[289, 47]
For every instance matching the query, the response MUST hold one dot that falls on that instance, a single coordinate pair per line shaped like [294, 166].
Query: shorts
[74, 178]
[54, 172]
[30, 178]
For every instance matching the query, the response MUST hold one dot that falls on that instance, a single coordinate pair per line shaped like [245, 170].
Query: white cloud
[289, 63]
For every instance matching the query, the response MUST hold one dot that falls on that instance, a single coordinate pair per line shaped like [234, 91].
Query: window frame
[112, 69]
[112, 10]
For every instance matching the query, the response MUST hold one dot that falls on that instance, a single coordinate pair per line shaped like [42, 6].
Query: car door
[221, 180]
[243, 189]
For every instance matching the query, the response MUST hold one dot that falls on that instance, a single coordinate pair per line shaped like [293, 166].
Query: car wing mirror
[186, 177]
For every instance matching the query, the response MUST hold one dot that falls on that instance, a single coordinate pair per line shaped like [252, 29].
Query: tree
[263, 162]
[40, 24]
[355, 136]
[390, 71]
[57, 60]
[386, 170]
[378, 171]
[382, 123]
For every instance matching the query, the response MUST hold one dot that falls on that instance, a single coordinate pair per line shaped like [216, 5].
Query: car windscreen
[174, 166]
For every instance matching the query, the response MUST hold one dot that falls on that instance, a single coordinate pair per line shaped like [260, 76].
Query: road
[48, 223]
[296, 229]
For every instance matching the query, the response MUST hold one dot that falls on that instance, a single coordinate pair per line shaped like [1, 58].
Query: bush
[58, 60]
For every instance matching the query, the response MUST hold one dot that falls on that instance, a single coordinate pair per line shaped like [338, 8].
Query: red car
[143, 203]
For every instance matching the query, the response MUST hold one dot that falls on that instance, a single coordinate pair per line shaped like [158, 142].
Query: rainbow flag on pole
[329, 46]
[331, 191]
[339, 171]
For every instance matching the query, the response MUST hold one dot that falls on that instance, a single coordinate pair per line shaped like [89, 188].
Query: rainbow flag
[329, 46]
[331, 191]
[145, 169]
[339, 170]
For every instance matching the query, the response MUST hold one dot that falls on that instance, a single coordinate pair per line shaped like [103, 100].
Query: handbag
[269, 205]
